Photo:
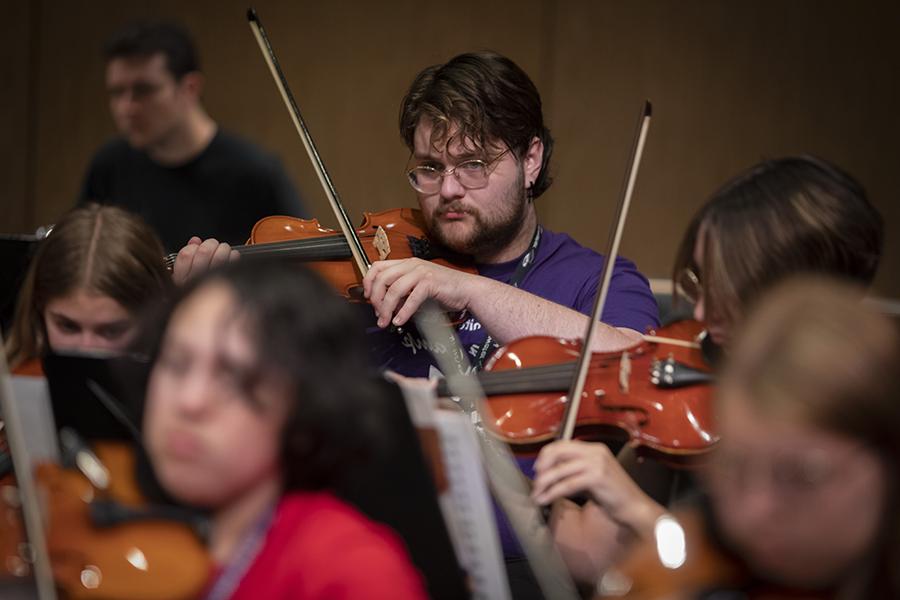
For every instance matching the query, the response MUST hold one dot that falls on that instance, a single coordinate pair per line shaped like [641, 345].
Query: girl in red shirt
[256, 404]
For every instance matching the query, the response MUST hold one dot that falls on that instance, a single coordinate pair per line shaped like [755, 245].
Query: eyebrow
[462, 156]
[61, 316]
[114, 324]
[431, 153]
[64, 317]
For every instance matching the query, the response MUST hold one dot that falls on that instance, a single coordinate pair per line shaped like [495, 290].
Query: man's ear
[192, 84]
[533, 161]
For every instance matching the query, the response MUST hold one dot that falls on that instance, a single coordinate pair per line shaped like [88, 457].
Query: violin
[644, 574]
[344, 256]
[135, 554]
[390, 234]
[656, 393]
[686, 560]
[542, 388]
[131, 557]
[99, 538]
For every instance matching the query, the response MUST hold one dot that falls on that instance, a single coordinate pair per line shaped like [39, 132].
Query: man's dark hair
[490, 99]
[143, 39]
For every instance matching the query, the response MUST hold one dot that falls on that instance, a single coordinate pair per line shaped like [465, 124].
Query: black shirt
[221, 193]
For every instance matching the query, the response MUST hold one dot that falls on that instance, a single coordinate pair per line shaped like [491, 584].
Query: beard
[489, 234]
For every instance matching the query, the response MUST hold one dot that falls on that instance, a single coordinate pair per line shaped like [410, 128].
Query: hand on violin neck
[567, 468]
[397, 288]
[198, 256]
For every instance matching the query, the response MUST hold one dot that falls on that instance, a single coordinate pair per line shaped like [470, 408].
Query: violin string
[531, 379]
[293, 244]
[542, 378]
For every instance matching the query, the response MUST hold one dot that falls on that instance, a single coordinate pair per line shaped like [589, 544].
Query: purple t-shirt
[564, 272]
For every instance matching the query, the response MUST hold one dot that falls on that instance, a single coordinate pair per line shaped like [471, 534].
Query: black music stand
[90, 393]
[397, 489]
[15, 256]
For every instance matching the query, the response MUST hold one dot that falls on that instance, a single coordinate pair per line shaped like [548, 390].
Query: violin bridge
[381, 243]
[624, 372]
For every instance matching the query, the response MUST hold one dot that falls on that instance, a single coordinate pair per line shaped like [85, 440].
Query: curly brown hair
[489, 98]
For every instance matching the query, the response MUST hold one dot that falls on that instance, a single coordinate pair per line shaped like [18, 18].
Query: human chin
[455, 234]
[190, 482]
[136, 138]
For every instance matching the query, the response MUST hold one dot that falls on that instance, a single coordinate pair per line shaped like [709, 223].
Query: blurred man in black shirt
[171, 163]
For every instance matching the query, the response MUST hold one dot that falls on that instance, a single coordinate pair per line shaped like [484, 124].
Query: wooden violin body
[392, 234]
[527, 382]
[146, 559]
[705, 569]
[643, 576]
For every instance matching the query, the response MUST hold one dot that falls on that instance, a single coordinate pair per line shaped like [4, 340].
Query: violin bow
[567, 428]
[507, 481]
[356, 249]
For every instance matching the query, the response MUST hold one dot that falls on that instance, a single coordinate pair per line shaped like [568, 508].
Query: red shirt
[320, 547]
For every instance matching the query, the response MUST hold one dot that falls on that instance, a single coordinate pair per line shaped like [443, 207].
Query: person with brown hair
[480, 157]
[801, 494]
[480, 154]
[786, 216]
[171, 163]
[809, 420]
[779, 218]
[86, 283]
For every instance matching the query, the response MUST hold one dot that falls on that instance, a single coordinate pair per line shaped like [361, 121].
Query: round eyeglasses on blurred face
[471, 174]
[689, 286]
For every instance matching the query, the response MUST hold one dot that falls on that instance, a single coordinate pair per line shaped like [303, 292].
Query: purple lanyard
[521, 271]
[227, 582]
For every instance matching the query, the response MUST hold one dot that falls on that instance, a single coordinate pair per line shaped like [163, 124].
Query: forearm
[510, 313]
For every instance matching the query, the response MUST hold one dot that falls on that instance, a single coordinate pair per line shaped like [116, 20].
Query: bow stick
[356, 249]
[567, 428]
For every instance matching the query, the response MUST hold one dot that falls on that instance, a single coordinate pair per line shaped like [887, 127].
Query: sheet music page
[32, 396]
[25, 404]
[466, 504]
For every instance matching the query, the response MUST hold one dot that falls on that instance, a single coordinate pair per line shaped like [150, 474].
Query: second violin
[656, 394]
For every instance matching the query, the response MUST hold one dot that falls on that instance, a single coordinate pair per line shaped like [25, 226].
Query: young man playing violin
[480, 158]
[479, 161]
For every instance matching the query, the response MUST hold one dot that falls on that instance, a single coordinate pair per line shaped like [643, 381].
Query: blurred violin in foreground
[82, 527]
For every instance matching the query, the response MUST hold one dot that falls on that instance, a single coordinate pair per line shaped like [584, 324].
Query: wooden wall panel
[15, 115]
[732, 82]
[348, 65]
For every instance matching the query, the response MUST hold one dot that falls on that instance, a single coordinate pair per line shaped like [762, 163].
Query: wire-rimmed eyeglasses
[471, 174]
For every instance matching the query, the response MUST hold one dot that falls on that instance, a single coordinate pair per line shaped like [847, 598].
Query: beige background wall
[731, 81]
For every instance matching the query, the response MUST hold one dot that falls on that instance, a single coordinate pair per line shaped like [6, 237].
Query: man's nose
[451, 188]
[125, 103]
